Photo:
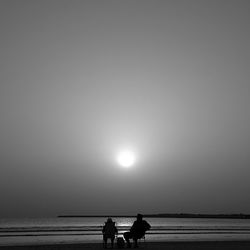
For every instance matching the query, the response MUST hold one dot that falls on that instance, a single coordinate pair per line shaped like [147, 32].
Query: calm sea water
[77, 230]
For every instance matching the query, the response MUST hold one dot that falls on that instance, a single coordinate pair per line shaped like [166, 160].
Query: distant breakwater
[169, 215]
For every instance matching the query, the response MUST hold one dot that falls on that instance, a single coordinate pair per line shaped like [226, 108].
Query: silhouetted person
[109, 231]
[137, 230]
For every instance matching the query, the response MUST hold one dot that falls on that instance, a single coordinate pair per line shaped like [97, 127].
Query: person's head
[139, 216]
[109, 220]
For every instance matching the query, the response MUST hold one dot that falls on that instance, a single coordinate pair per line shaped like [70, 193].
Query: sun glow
[126, 158]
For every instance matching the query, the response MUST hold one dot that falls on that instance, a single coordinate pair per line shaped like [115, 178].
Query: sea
[68, 230]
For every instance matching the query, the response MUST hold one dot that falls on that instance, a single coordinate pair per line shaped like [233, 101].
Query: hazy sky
[82, 80]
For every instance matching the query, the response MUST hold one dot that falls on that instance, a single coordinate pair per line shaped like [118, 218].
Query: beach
[183, 245]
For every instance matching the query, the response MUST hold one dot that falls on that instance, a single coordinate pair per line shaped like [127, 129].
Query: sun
[126, 158]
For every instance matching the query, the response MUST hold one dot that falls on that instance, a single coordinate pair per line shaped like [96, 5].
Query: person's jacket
[140, 227]
[109, 229]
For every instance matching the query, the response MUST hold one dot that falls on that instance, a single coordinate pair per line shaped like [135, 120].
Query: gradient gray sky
[81, 80]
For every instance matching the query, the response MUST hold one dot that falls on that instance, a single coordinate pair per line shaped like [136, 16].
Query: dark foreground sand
[194, 245]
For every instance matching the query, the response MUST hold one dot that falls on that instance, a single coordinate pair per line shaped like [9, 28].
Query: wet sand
[183, 245]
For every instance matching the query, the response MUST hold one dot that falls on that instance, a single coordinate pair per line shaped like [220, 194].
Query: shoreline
[171, 245]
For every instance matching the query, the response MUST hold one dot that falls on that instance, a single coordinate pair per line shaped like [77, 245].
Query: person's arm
[147, 225]
[103, 229]
[132, 229]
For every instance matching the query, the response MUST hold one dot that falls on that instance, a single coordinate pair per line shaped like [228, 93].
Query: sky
[82, 81]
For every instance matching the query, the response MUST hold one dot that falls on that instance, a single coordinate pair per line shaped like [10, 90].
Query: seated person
[137, 230]
[109, 231]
